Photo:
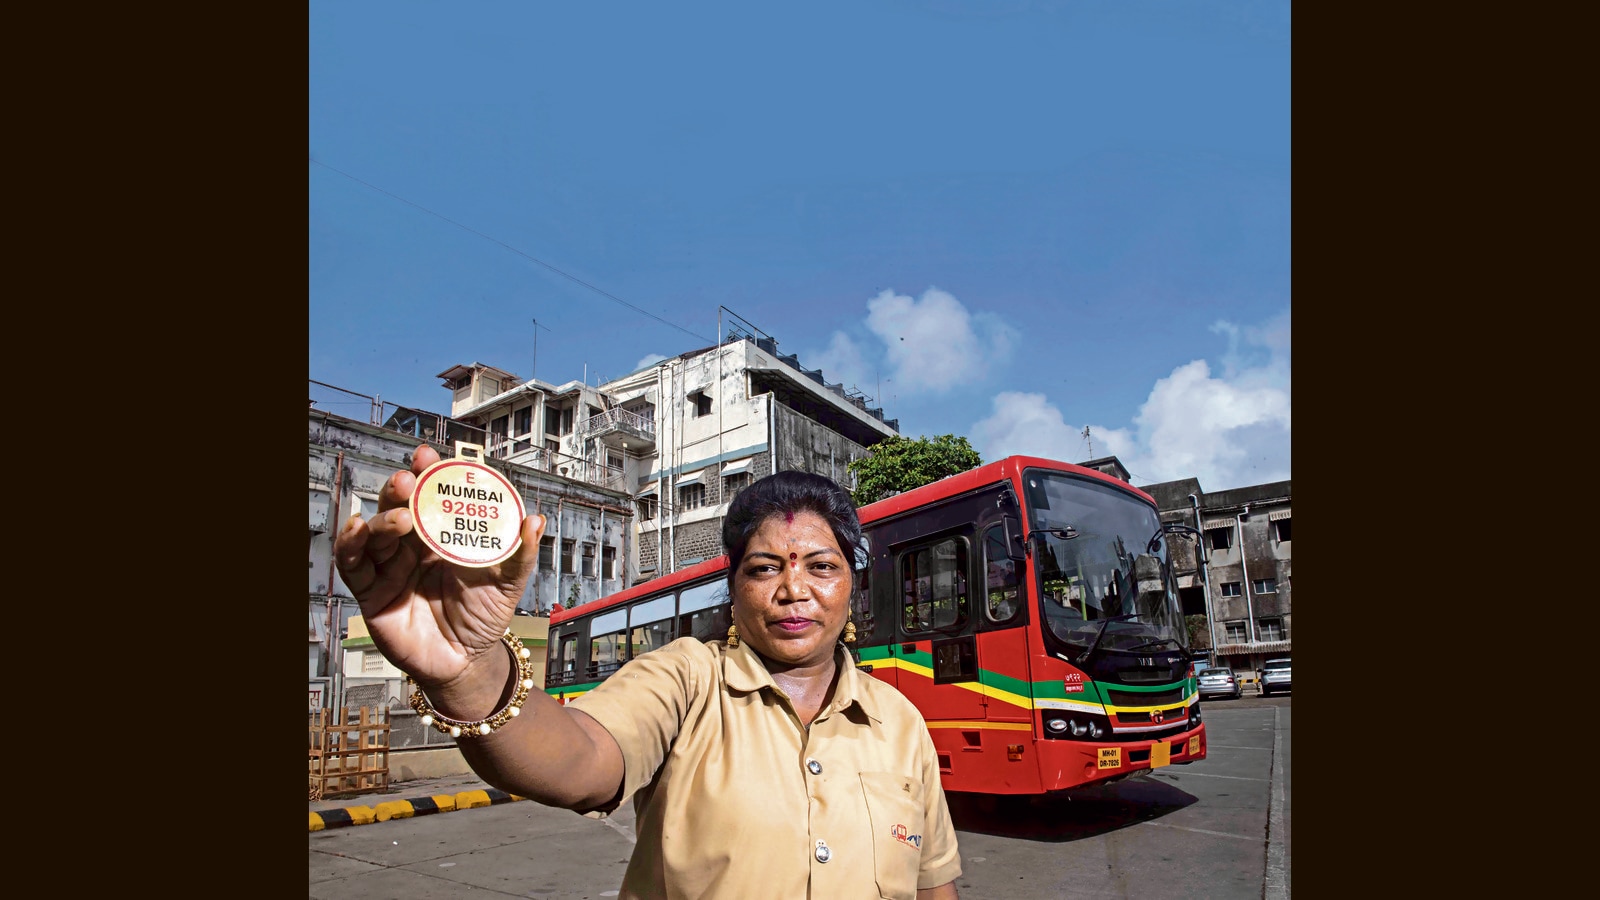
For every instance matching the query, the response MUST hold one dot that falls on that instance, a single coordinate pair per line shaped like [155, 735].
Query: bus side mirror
[1014, 547]
[863, 555]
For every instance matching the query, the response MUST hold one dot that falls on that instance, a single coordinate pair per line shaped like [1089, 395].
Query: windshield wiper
[1083, 658]
[1187, 656]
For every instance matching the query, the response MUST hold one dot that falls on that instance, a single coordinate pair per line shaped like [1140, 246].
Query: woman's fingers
[350, 555]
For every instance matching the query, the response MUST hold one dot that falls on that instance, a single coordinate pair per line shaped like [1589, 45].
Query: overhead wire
[530, 258]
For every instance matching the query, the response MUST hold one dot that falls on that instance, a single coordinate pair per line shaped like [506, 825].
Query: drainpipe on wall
[1250, 610]
[555, 551]
[1205, 573]
[334, 682]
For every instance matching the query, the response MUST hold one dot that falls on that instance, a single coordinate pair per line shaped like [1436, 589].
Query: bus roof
[1004, 469]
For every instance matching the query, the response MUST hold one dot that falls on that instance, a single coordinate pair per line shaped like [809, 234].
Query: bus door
[1003, 657]
[931, 595]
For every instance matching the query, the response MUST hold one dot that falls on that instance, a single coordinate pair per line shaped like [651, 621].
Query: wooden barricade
[348, 757]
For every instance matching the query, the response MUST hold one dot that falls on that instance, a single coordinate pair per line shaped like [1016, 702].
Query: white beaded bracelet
[521, 671]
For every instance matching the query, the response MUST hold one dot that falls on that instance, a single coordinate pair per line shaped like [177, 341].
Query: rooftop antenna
[536, 327]
[1090, 440]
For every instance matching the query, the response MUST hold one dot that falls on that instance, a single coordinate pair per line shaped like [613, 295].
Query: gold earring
[850, 631]
[733, 636]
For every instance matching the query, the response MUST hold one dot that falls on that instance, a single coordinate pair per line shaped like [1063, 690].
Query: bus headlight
[1074, 725]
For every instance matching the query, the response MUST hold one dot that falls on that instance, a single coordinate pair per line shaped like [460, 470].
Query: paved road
[1214, 829]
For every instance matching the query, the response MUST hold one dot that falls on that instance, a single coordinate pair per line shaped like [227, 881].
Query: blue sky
[1008, 219]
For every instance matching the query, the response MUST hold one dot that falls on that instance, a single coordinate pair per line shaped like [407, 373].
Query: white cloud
[649, 360]
[929, 345]
[1228, 430]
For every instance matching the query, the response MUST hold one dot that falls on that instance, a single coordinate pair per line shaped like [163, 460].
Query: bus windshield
[1099, 585]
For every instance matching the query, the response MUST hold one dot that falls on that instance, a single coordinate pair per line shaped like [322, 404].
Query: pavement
[402, 800]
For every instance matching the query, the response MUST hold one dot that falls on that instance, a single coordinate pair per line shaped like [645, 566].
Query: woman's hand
[431, 618]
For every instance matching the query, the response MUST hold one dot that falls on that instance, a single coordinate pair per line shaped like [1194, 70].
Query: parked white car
[1274, 676]
[1219, 682]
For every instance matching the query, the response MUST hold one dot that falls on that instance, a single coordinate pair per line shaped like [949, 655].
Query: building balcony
[620, 428]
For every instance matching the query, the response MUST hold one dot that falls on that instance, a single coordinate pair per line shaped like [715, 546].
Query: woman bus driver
[762, 766]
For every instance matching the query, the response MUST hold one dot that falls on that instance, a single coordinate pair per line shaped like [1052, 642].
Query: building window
[588, 560]
[371, 661]
[1264, 586]
[566, 556]
[1280, 530]
[547, 554]
[1235, 633]
[1221, 538]
[702, 404]
[733, 484]
[497, 434]
[608, 562]
[557, 420]
[524, 418]
[1231, 589]
[1271, 629]
[647, 508]
[693, 496]
[614, 463]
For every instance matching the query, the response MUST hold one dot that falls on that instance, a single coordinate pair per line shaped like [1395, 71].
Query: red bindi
[789, 517]
[792, 558]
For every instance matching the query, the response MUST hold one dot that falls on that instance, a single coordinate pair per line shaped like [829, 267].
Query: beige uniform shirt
[736, 799]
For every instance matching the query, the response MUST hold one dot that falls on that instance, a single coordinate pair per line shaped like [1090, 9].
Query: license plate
[1194, 745]
[1160, 754]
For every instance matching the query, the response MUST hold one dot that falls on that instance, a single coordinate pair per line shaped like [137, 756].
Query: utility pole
[536, 327]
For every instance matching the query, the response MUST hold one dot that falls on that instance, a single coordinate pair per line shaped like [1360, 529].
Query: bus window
[651, 623]
[1001, 576]
[934, 586]
[606, 649]
[703, 611]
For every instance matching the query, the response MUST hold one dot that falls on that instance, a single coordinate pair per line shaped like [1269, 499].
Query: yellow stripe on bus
[985, 690]
[992, 726]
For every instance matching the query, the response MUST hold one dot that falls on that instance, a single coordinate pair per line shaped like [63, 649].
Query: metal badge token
[467, 512]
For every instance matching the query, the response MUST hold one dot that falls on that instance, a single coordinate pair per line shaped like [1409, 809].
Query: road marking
[624, 830]
[1242, 837]
[1209, 775]
[1277, 887]
[1231, 747]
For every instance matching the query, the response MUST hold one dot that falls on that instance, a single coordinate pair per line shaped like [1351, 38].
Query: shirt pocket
[894, 808]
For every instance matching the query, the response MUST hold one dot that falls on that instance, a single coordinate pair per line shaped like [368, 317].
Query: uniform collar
[743, 670]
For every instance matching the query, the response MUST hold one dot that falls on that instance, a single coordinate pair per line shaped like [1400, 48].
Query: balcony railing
[619, 420]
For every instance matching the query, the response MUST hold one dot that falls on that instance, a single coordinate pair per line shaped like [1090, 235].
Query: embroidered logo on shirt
[898, 832]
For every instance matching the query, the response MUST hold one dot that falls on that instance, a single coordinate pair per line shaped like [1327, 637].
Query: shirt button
[814, 766]
[823, 853]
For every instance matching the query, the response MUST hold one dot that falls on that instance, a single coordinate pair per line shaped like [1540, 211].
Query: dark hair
[783, 493]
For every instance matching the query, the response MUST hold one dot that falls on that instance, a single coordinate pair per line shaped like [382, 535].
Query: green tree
[900, 464]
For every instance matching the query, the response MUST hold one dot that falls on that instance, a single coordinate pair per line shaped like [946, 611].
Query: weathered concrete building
[725, 416]
[1237, 571]
[349, 461]
[680, 437]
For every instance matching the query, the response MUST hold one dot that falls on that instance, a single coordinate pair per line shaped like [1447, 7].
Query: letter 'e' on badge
[467, 512]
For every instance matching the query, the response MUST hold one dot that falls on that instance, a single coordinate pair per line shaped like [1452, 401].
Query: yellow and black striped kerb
[405, 809]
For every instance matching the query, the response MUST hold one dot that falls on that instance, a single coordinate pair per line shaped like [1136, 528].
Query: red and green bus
[1026, 607]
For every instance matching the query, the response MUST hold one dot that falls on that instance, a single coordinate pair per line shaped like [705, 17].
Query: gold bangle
[521, 671]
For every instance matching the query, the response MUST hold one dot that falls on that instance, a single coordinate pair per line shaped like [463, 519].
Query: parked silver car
[1219, 682]
[1274, 676]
